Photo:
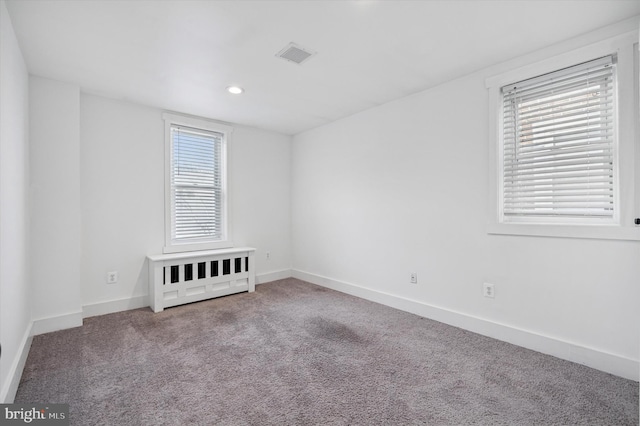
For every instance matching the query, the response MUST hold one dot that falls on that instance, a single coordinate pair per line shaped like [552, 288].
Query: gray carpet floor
[293, 353]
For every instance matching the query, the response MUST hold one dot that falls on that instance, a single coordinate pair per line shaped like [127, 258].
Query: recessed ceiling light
[235, 90]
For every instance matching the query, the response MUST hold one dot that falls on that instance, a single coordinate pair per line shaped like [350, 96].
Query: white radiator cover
[179, 278]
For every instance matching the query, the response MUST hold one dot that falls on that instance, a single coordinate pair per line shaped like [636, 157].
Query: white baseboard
[273, 276]
[594, 358]
[120, 305]
[62, 322]
[112, 306]
[8, 392]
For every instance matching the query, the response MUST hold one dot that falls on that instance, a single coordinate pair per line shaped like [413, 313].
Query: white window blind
[558, 143]
[196, 185]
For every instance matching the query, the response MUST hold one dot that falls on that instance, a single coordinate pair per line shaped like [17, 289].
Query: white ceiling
[181, 55]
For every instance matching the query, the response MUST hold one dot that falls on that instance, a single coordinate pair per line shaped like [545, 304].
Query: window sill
[596, 232]
[199, 253]
[189, 247]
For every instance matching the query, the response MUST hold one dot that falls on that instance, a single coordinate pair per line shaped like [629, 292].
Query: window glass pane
[196, 184]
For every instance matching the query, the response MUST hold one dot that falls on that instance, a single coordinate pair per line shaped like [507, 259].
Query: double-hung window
[563, 152]
[195, 184]
[559, 145]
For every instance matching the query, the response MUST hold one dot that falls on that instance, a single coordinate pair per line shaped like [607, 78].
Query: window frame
[614, 219]
[624, 46]
[171, 246]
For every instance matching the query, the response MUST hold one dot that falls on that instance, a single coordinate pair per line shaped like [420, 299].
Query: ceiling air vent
[294, 53]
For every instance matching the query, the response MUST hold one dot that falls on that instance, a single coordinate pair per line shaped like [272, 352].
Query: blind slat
[567, 112]
[560, 146]
[584, 181]
[576, 125]
[543, 152]
[560, 93]
[547, 161]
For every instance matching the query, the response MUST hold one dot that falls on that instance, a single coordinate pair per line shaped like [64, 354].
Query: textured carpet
[296, 353]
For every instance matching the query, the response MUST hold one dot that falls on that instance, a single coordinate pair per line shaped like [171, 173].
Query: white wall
[261, 190]
[403, 188]
[15, 305]
[121, 175]
[55, 200]
[121, 167]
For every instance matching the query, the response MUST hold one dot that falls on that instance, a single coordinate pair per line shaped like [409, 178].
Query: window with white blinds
[197, 185]
[558, 143]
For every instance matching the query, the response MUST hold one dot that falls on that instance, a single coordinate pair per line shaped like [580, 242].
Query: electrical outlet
[268, 255]
[488, 290]
[112, 277]
[414, 278]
